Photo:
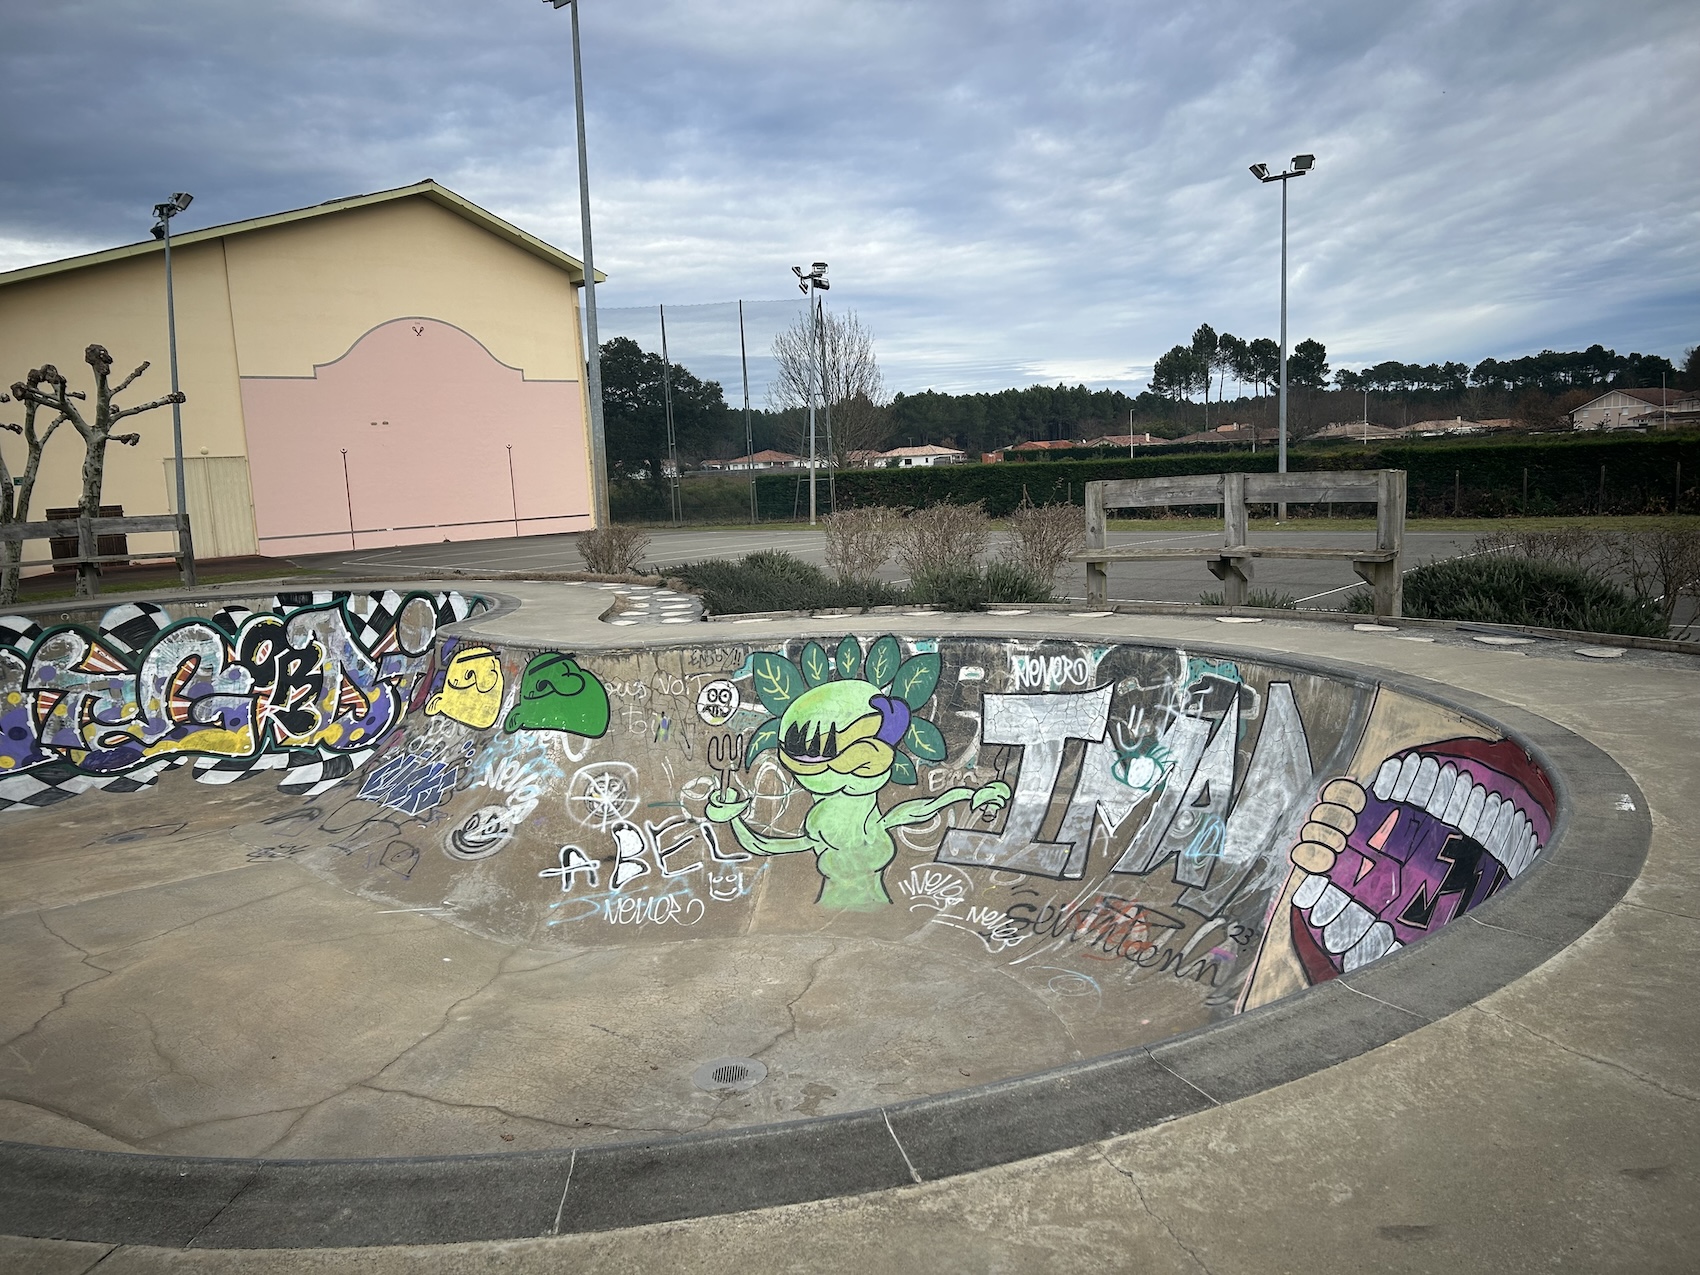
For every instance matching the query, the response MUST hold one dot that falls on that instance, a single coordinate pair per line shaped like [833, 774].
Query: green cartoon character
[846, 727]
[556, 694]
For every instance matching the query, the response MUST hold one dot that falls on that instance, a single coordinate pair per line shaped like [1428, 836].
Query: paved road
[1312, 583]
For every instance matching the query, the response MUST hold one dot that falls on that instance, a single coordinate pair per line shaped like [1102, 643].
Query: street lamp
[162, 230]
[598, 435]
[811, 284]
[1302, 164]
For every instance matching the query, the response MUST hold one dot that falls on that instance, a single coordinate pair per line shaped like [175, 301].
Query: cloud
[1006, 192]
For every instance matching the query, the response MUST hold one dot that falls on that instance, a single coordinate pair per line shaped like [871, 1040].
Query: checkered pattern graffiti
[308, 686]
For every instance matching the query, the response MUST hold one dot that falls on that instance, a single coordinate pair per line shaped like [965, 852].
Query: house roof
[1658, 398]
[928, 449]
[427, 189]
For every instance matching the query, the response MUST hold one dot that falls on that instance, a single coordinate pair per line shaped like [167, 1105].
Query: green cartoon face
[842, 737]
[556, 694]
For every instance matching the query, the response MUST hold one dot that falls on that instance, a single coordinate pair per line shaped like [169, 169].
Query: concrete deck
[1552, 1123]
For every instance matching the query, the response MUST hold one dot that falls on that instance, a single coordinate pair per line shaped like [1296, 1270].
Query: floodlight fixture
[1260, 171]
[1303, 163]
[181, 200]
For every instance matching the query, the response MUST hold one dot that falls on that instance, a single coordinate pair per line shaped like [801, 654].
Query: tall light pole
[162, 230]
[811, 284]
[1302, 164]
[598, 435]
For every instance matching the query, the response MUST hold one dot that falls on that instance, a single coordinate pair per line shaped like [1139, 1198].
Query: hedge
[1473, 478]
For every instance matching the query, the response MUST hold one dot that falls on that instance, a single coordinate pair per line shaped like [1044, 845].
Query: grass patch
[1492, 589]
[1266, 598]
[973, 588]
[774, 581]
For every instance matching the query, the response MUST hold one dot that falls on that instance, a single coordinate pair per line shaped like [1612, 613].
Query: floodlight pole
[185, 546]
[593, 363]
[749, 438]
[1301, 165]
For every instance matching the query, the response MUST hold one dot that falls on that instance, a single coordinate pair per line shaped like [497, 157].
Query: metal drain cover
[730, 1075]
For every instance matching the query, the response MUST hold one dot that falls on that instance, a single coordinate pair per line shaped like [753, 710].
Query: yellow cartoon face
[472, 689]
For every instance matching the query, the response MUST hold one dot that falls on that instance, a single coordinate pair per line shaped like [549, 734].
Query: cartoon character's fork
[724, 753]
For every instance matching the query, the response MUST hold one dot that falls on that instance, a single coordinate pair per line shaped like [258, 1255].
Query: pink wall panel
[427, 416]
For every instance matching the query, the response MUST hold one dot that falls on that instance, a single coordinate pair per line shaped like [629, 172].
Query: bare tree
[61, 400]
[843, 350]
[17, 490]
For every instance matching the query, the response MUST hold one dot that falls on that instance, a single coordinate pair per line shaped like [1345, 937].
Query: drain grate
[730, 1074]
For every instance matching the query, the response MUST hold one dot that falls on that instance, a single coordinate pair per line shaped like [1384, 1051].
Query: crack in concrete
[1198, 1089]
[193, 921]
[172, 1130]
[66, 1114]
[1423, 1018]
[64, 1001]
[1586, 1056]
[1648, 907]
[577, 1125]
[1152, 1213]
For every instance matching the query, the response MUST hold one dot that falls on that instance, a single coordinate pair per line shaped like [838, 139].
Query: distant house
[1125, 440]
[1635, 409]
[865, 459]
[768, 459]
[1231, 435]
[1042, 445]
[1434, 429]
[1354, 431]
[925, 456]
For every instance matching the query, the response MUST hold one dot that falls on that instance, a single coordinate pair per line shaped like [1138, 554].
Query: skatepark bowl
[371, 916]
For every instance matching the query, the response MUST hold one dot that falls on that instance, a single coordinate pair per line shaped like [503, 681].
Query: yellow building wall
[303, 293]
[121, 305]
[275, 301]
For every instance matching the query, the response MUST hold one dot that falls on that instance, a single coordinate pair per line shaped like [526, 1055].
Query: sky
[1006, 193]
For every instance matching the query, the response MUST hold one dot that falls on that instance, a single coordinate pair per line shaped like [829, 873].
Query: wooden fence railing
[1378, 566]
[88, 559]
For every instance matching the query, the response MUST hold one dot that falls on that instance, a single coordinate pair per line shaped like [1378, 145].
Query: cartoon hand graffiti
[843, 737]
[1439, 829]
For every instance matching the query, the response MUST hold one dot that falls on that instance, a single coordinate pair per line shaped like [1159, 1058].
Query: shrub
[613, 550]
[971, 588]
[860, 541]
[942, 536]
[1504, 589]
[772, 581]
[1267, 598]
[1043, 537]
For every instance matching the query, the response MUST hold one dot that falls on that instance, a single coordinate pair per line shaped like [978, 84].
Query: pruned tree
[47, 388]
[16, 490]
[839, 356]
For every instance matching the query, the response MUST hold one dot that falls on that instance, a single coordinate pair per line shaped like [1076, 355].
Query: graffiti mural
[310, 685]
[845, 728]
[1143, 838]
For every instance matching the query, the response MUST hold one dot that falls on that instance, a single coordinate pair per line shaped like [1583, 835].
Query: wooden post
[1386, 579]
[88, 572]
[1525, 491]
[1235, 572]
[1602, 490]
[186, 551]
[1677, 507]
[1097, 537]
[1457, 493]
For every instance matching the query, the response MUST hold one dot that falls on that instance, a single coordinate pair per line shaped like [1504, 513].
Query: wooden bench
[1232, 561]
[88, 532]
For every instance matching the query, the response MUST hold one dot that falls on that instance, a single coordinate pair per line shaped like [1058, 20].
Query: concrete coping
[1599, 843]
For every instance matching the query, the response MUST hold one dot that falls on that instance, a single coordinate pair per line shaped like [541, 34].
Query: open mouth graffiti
[1441, 828]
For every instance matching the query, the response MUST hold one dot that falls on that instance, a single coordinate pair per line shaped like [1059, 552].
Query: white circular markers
[1375, 628]
[1502, 641]
[1601, 652]
[1239, 619]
